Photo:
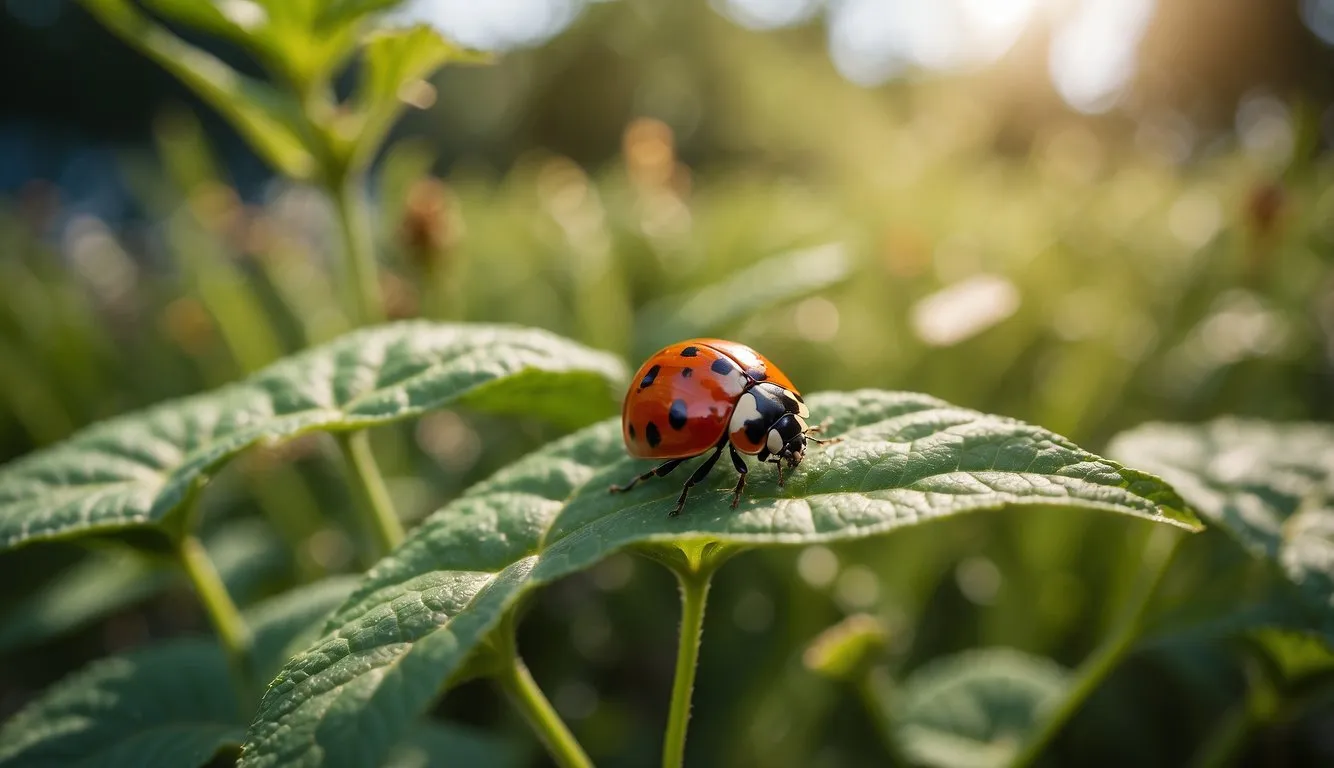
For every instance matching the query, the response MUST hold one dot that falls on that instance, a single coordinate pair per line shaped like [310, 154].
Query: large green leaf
[168, 704]
[976, 709]
[904, 459]
[247, 554]
[1268, 485]
[141, 468]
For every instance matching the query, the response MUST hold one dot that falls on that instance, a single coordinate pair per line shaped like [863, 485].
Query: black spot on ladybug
[689, 352]
[687, 372]
[650, 376]
[757, 374]
[652, 435]
[632, 431]
[677, 415]
[722, 366]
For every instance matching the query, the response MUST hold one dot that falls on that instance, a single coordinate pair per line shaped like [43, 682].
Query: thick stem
[694, 595]
[518, 682]
[1097, 667]
[361, 280]
[233, 633]
[376, 508]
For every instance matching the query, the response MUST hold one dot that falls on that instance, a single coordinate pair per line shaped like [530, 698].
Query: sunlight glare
[995, 25]
[767, 14]
[493, 26]
[1093, 53]
[872, 41]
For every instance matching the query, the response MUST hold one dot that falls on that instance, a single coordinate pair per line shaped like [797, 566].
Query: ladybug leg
[779, 463]
[740, 465]
[701, 472]
[660, 471]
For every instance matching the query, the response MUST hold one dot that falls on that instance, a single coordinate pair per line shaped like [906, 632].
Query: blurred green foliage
[1078, 279]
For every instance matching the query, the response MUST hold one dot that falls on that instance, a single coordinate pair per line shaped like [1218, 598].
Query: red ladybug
[709, 394]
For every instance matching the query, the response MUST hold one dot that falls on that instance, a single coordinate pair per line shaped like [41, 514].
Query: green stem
[1097, 667]
[1226, 742]
[518, 682]
[233, 633]
[870, 686]
[694, 595]
[513, 676]
[361, 281]
[377, 509]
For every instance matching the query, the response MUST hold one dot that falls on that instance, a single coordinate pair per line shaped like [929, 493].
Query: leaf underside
[172, 704]
[977, 708]
[247, 554]
[1269, 485]
[140, 468]
[422, 611]
[168, 704]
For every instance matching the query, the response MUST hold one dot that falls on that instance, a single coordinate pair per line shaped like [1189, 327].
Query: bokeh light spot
[963, 310]
[493, 26]
[979, 580]
[817, 319]
[1093, 53]
[818, 566]
[767, 14]
[1319, 18]
[858, 587]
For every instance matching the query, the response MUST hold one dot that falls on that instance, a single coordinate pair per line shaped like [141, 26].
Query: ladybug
[705, 395]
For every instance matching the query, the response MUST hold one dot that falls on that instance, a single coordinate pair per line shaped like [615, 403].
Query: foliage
[903, 460]
[180, 407]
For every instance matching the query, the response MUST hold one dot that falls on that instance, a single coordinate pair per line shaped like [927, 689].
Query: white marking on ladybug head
[774, 442]
[747, 409]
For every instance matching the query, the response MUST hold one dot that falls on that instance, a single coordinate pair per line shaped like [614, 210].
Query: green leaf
[412, 626]
[246, 554]
[265, 116]
[299, 41]
[1294, 657]
[139, 469]
[846, 650]
[710, 310]
[1270, 486]
[396, 62]
[168, 704]
[976, 709]
[242, 21]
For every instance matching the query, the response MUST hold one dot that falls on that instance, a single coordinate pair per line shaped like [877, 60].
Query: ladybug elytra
[705, 395]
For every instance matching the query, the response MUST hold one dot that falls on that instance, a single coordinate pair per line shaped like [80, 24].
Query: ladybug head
[787, 439]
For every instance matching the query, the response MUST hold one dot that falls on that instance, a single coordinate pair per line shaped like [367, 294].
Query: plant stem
[233, 633]
[518, 682]
[376, 507]
[694, 595]
[1227, 741]
[1096, 668]
[361, 280]
[869, 687]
